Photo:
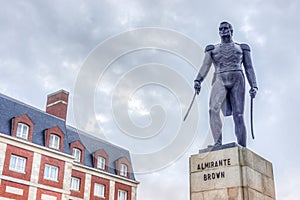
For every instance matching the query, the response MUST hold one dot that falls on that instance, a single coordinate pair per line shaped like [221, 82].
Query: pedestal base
[230, 172]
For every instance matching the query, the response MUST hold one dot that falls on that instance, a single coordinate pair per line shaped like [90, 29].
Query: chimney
[57, 104]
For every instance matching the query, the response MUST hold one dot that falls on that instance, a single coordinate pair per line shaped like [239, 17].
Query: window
[54, 138]
[123, 170]
[75, 183]
[22, 131]
[101, 162]
[99, 190]
[77, 154]
[54, 141]
[122, 195]
[51, 172]
[17, 164]
[22, 127]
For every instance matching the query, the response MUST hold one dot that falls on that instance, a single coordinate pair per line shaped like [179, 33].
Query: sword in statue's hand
[191, 104]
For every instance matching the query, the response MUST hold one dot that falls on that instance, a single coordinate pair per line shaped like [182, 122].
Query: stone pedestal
[230, 172]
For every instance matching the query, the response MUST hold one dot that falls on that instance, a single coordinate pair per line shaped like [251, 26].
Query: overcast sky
[45, 46]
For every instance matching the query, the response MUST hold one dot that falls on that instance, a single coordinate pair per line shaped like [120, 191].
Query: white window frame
[122, 195]
[123, 170]
[51, 172]
[17, 164]
[99, 190]
[75, 184]
[101, 162]
[54, 141]
[22, 131]
[77, 154]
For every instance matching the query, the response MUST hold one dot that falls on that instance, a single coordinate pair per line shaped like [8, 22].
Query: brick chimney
[57, 104]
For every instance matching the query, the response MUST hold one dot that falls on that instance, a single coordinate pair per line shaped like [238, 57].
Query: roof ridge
[27, 105]
[81, 132]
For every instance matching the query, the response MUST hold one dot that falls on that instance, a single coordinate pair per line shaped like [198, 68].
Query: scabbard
[251, 118]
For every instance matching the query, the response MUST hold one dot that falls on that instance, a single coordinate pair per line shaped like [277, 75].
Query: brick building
[42, 158]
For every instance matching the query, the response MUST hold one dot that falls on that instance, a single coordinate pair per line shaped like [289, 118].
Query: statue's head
[225, 30]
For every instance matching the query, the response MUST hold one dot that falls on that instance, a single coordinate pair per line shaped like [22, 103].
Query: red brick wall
[5, 183]
[81, 176]
[12, 150]
[47, 192]
[102, 181]
[61, 95]
[120, 186]
[54, 162]
[58, 109]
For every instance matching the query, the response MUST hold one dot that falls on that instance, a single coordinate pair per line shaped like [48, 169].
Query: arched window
[54, 138]
[77, 154]
[77, 150]
[100, 159]
[123, 167]
[22, 127]
[22, 131]
[54, 141]
[101, 162]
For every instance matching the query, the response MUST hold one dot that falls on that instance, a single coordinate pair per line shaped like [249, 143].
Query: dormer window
[22, 127]
[101, 159]
[54, 141]
[123, 170]
[123, 167]
[22, 131]
[54, 138]
[101, 162]
[77, 154]
[77, 150]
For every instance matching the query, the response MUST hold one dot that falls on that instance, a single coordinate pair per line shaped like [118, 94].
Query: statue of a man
[228, 84]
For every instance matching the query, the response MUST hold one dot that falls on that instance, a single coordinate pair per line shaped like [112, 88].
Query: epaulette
[245, 47]
[209, 47]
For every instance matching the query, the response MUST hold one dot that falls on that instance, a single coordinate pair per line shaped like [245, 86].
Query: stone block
[255, 195]
[252, 178]
[235, 193]
[197, 195]
[268, 186]
[269, 170]
[213, 156]
[230, 173]
[216, 179]
[254, 161]
[215, 195]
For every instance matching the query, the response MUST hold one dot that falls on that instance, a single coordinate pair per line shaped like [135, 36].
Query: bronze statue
[228, 84]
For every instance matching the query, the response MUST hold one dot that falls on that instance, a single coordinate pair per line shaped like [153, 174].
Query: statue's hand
[253, 92]
[197, 86]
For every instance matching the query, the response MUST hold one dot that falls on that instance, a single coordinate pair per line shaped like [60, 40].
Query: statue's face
[224, 30]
